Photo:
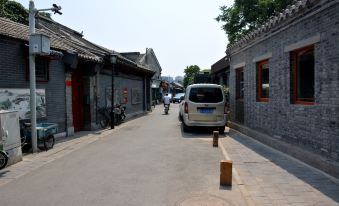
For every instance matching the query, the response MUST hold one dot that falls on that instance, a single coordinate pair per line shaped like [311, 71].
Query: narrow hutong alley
[150, 161]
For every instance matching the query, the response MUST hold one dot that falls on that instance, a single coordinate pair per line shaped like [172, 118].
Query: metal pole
[112, 99]
[32, 12]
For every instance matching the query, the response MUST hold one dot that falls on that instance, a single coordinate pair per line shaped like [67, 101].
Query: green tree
[246, 15]
[16, 12]
[190, 71]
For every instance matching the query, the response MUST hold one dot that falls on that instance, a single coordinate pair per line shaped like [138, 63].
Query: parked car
[204, 105]
[177, 97]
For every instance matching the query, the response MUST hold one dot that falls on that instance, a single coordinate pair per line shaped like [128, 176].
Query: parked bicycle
[120, 114]
[105, 115]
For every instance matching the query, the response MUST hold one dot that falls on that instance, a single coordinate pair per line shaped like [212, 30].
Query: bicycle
[105, 116]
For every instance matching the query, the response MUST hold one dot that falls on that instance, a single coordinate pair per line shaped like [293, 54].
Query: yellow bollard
[215, 138]
[226, 172]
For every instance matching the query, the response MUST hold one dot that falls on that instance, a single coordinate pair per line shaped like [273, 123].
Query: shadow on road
[2, 173]
[315, 179]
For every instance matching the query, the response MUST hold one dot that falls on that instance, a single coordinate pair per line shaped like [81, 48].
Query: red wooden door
[77, 101]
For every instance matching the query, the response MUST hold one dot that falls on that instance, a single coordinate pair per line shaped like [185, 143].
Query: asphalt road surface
[147, 161]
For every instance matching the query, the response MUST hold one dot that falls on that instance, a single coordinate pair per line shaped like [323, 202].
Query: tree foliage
[16, 12]
[246, 15]
[190, 72]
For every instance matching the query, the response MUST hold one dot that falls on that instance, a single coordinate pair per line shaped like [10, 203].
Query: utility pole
[32, 12]
[113, 61]
[32, 81]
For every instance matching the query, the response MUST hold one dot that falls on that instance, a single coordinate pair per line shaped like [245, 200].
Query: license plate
[206, 111]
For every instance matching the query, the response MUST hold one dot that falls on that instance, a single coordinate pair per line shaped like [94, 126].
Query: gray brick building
[149, 60]
[284, 83]
[76, 77]
[14, 71]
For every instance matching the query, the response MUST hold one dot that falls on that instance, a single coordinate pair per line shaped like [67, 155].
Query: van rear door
[206, 104]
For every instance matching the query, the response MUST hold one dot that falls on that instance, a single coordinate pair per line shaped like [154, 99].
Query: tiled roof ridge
[71, 44]
[19, 31]
[58, 24]
[276, 20]
[97, 50]
[92, 47]
[155, 57]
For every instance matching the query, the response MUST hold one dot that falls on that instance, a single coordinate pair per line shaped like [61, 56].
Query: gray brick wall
[122, 81]
[13, 75]
[314, 127]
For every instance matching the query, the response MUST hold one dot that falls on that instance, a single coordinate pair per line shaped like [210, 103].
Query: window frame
[237, 84]
[294, 63]
[48, 62]
[259, 80]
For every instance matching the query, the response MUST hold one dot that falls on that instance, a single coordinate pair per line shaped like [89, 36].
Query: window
[206, 95]
[239, 83]
[41, 69]
[263, 85]
[302, 66]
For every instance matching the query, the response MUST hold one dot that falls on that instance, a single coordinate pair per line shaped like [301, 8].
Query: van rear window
[206, 95]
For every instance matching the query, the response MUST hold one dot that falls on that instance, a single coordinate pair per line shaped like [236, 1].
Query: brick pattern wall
[120, 82]
[315, 127]
[13, 75]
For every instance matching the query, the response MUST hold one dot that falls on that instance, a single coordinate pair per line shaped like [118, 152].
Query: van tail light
[186, 107]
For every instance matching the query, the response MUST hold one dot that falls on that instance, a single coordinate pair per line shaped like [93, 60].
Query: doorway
[77, 100]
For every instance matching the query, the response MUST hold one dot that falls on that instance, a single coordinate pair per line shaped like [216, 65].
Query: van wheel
[221, 130]
[180, 118]
[185, 127]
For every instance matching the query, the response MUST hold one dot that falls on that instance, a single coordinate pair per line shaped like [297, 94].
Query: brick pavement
[273, 178]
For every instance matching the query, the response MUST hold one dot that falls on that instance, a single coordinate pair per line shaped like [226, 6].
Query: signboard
[125, 95]
[19, 100]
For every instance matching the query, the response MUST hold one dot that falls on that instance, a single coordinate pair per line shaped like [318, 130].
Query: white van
[203, 105]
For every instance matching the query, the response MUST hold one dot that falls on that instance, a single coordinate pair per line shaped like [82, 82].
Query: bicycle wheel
[123, 116]
[49, 142]
[103, 123]
[3, 160]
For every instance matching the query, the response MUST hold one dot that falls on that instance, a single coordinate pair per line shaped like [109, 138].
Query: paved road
[147, 161]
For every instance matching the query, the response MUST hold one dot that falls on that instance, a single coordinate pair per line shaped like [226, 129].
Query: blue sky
[181, 32]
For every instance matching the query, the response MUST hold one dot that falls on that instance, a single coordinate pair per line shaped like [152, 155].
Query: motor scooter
[166, 108]
[120, 113]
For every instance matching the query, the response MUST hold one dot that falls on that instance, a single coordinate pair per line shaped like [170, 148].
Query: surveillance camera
[56, 9]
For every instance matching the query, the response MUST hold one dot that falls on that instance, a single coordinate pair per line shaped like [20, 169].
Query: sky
[181, 32]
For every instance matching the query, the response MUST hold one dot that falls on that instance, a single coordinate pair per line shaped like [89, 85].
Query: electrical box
[10, 129]
[40, 44]
[10, 135]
